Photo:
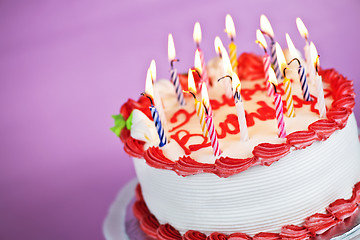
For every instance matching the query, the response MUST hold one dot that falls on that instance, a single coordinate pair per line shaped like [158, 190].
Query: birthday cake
[239, 165]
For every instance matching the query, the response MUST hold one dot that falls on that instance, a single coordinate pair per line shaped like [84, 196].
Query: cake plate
[121, 224]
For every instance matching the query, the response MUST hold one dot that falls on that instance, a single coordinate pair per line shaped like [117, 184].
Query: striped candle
[274, 61]
[289, 98]
[304, 84]
[280, 115]
[266, 61]
[233, 56]
[204, 75]
[200, 112]
[213, 136]
[320, 96]
[178, 88]
[158, 125]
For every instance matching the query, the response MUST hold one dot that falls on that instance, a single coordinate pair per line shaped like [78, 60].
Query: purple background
[67, 66]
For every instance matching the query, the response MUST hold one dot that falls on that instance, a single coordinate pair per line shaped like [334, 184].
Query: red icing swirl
[320, 223]
[217, 236]
[140, 209]
[323, 128]
[295, 232]
[138, 193]
[134, 148]
[339, 115]
[186, 166]
[267, 236]
[301, 139]
[168, 232]
[225, 166]
[356, 194]
[149, 224]
[250, 66]
[269, 153]
[346, 101]
[342, 208]
[155, 158]
[239, 236]
[194, 235]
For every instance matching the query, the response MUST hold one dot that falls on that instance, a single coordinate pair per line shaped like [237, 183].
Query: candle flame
[230, 27]
[218, 45]
[235, 82]
[226, 62]
[149, 84]
[197, 33]
[272, 77]
[191, 82]
[314, 56]
[171, 48]
[260, 39]
[197, 62]
[280, 57]
[266, 26]
[291, 47]
[153, 70]
[302, 29]
[205, 95]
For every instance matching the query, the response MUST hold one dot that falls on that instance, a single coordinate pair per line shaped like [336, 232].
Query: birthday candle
[236, 85]
[205, 99]
[227, 71]
[197, 39]
[305, 34]
[301, 69]
[267, 29]
[318, 81]
[154, 113]
[278, 106]
[266, 61]
[199, 108]
[213, 136]
[156, 96]
[288, 94]
[173, 71]
[230, 30]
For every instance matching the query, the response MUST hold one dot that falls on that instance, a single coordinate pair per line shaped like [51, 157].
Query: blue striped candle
[274, 61]
[158, 125]
[178, 89]
[304, 85]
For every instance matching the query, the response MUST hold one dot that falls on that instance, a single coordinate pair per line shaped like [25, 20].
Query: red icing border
[315, 224]
[263, 154]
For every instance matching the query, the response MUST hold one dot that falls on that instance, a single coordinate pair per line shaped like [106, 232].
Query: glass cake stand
[120, 223]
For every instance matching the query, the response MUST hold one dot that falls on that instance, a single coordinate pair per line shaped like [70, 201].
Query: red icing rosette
[267, 236]
[124, 134]
[344, 87]
[346, 101]
[134, 148]
[301, 139]
[217, 236]
[340, 115]
[342, 208]
[138, 193]
[323, 128]
[149, 224]
[226, 166]
[356, 193]
[142, 104]
[320, 223]
[155, 158]
[168, 232]
[239, 236]
[269, 153]
[194, 235]
[186, 166]
[140, 209]
[293, 232]
[250, 66]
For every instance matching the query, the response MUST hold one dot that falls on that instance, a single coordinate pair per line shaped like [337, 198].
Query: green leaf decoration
[119, 124]
[129, 121]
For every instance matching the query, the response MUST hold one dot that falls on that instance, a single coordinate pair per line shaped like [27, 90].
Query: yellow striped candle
[289, 98]
[230, 30]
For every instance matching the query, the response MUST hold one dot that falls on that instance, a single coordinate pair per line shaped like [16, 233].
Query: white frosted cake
[266, 187]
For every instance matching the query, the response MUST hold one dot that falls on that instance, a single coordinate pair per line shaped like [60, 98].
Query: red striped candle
[280, 115]
[213, 136]
[266, 61]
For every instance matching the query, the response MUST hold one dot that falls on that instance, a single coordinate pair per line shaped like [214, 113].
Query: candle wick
[197, 71]
[198, 46]
[262, 45]
[226, 76]
[206, 110]
[190, 93]
[284, 72]
[172, 62]
[274, 87]
[265, 33]
[296, 59]
[151, 101]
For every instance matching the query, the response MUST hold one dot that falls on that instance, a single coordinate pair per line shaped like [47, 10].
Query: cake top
[189, 152]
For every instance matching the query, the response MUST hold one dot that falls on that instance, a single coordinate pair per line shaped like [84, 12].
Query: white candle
[157, 98]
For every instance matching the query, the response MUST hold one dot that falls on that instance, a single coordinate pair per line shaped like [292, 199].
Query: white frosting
[142, 128]
[260, 198]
